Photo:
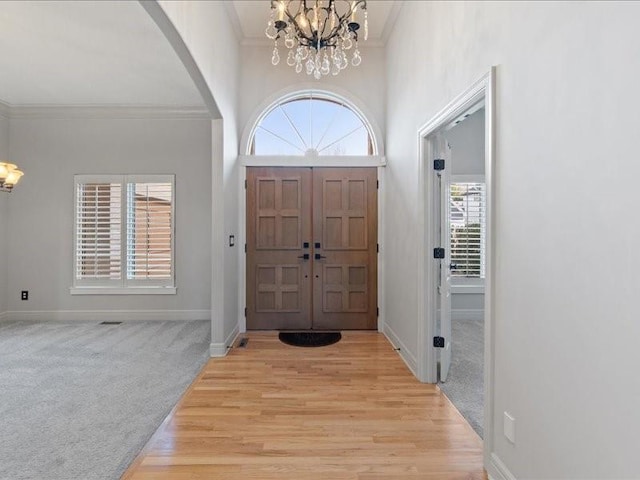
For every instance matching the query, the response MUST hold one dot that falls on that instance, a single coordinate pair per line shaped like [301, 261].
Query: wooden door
[328, 214]
[278, 225]
[345, 232]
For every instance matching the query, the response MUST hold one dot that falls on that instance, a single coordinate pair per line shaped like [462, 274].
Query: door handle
[318, 256]
[304, 257]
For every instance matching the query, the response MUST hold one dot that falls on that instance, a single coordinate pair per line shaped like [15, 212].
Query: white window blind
[149, 230]
[467, 208]
[124, 231]
[98, 231]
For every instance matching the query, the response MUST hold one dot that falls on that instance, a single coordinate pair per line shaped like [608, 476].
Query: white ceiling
[252, 15]
[88, 52]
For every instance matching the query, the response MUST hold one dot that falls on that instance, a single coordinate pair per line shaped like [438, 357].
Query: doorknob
[305, 256]
[318, 256]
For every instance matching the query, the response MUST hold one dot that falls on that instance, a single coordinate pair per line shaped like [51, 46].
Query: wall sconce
[9, 176]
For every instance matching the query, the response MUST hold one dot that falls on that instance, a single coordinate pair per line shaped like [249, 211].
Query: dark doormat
[310, 339]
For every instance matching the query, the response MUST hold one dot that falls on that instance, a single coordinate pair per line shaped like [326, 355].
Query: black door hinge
[245, 248]
[438, 252]
[245, 311]
[377, 184]
[245, 184]
[438, 342]
[377, 311]
[438, 164]
[378, 247]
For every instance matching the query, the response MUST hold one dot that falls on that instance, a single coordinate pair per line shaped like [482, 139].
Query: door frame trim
[483, 90]
[294, 161]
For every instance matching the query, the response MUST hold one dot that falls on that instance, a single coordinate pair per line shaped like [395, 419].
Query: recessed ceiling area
[252, 17]
[88, 53]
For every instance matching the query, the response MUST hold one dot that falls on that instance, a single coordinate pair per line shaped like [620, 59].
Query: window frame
[123, 285]
[312, 95]
[460, 284]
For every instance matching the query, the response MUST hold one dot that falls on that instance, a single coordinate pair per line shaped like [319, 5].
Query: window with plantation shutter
[124, 233]
[149, 231]
[467, 205]
[99, 231]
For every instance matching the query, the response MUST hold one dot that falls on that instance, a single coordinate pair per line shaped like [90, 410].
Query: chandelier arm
[300, 33]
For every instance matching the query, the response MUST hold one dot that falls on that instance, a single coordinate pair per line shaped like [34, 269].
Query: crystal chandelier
[9, 176]
[317, 36]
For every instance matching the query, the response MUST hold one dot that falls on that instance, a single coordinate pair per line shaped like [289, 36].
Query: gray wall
[201, 25]
[4, 201]
[567, 111]
[51, 151]
[467, 158]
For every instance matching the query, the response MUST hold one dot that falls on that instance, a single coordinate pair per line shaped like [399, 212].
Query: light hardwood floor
[351, 410]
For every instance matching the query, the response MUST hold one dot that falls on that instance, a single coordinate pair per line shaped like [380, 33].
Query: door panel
[333, 211]
[278, 223]
[345, 218]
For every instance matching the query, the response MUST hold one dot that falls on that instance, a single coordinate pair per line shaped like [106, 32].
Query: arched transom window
[312, 124]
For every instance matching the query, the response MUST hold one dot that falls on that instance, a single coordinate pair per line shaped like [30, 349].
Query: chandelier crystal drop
[318, 34]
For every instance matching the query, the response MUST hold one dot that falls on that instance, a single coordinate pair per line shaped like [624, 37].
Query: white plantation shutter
[150, 231]
[98, 238]
[124, 231]
[467, 220]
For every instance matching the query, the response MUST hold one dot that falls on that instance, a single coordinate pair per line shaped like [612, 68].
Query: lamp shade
[5, 168]
[13, 177]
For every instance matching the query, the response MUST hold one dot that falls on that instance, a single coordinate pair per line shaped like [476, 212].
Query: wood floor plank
[349, 411]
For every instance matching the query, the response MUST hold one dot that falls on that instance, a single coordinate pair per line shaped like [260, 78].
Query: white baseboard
[109, 315]
[221, 349]
[467, 314]
[497, 470]
[404, 352]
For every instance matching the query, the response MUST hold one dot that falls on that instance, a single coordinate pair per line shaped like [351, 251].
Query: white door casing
[444, 286]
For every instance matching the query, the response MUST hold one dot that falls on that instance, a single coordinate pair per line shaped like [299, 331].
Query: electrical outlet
[510, 427]
[24, 295]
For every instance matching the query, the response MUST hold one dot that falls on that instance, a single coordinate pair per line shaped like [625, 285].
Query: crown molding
[232, 13]
[391, 20]
[103, 111]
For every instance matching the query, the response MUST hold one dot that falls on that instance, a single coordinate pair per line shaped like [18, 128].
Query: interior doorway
[462, 225]
[312, 246]
[480, 95]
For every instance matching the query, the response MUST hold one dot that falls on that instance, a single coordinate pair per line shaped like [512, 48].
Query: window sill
[123, 291]
[472, 289]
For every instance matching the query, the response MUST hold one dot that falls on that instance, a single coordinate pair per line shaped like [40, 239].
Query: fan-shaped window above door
[312, 124]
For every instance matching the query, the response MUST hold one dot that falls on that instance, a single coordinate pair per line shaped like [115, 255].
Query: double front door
[311, 248]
